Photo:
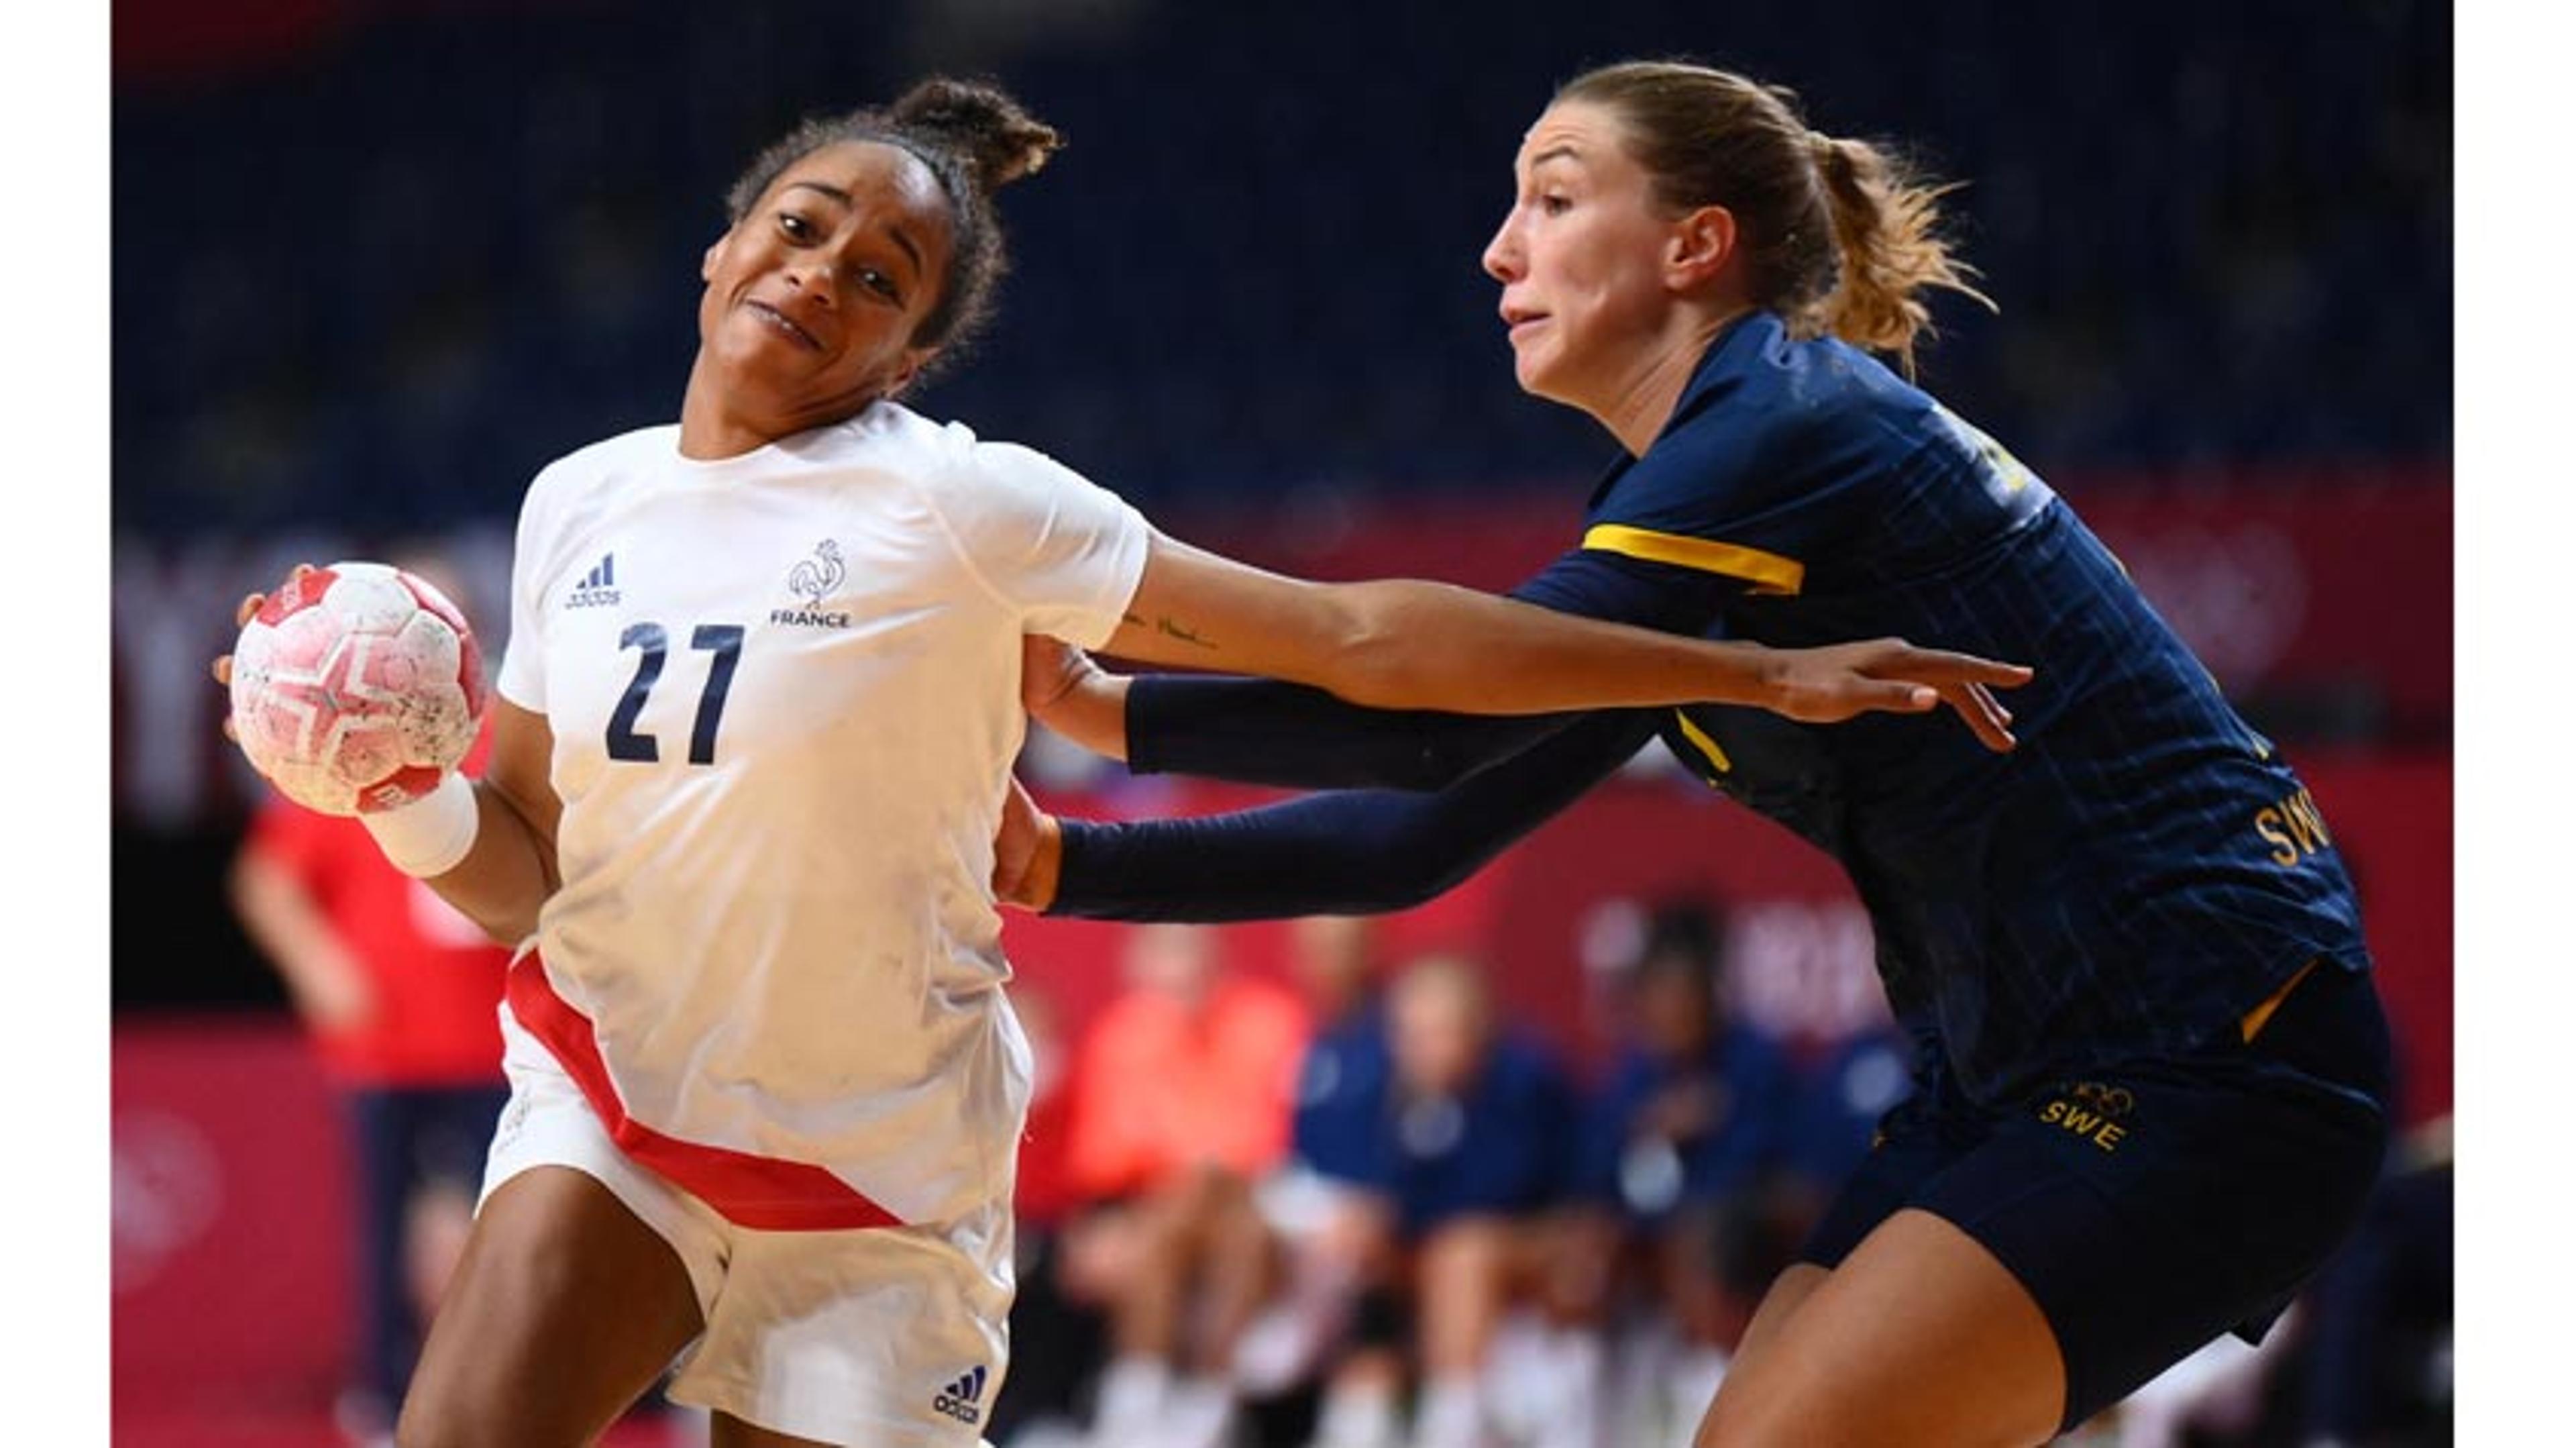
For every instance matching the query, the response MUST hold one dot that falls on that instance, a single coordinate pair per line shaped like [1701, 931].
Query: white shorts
[882, 1335]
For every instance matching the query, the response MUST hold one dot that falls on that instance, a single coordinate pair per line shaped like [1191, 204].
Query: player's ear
[707, 263]
[1699, 246]
[914, 359]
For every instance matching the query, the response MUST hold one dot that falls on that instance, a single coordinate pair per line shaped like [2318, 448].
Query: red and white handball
[355, 687]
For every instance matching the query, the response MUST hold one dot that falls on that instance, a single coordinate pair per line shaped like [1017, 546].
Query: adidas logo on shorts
[958, 1399]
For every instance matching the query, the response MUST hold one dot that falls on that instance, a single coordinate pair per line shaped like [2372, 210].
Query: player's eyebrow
[902, 238]
[835, 192]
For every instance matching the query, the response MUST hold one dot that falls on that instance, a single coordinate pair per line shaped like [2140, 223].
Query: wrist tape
[430, 835]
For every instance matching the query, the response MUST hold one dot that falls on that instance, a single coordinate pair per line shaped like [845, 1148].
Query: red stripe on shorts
[762, 1192]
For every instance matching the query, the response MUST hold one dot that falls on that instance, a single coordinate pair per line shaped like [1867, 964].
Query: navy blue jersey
[1504, 1145]
[2141, 872]
[1741, 1093]
[1341, 1096]
[2133, 879]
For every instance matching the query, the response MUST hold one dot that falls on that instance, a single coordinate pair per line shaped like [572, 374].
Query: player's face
[812, 299]
[1581, 257]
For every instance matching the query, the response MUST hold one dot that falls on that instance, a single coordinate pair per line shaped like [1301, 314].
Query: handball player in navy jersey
[2150, 1069]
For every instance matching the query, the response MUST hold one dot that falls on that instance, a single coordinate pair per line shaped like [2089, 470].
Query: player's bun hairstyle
[1838, 235]
[976, 139]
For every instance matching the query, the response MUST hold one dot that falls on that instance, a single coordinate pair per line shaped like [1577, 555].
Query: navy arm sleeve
[1258, 731]
[1351, 853]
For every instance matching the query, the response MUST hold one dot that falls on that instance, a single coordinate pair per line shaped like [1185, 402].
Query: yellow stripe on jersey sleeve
[1767, 572]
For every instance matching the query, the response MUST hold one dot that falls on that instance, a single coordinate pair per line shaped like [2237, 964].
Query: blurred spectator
[1057, 1340]
[1686, 1145]
[1841, 1095]
[1326, 1223]
[1473, 1149]
[1181, 1102]
[2378, 1349]
[1341, 1083]
[399, 992]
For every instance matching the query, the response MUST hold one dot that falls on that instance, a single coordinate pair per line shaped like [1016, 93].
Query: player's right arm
[510, 869]
[498, 832]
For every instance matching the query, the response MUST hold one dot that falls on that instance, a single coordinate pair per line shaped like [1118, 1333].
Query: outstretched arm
[1354, 852]
[1260, 731]
[1408, 644]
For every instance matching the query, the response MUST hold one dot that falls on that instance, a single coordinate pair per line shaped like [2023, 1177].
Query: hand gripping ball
[355, 688]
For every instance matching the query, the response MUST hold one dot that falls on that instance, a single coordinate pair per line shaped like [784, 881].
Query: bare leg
[1788, 1293]
[1238, 1270]
[564, 1309]
[1463, 1281]
[1145, 1309]
[1920, 1337]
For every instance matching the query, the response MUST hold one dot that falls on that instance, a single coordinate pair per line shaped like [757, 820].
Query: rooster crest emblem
[816, 577]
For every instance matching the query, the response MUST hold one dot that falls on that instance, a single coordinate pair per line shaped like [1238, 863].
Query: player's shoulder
[1799, 387]
[964, 474]
[937, 455]
[1767, 418]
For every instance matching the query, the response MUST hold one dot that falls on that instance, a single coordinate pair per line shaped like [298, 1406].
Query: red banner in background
[230, 1228]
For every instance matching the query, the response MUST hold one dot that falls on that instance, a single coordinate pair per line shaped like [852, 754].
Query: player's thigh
[563, 1310]
[1920, 1337]
[1789, 1292]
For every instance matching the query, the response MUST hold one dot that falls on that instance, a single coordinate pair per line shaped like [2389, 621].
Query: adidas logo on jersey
[598, 588]
[958, 1399]
[813, 580]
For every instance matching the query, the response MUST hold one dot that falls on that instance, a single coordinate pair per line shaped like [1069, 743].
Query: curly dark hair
[975, 139]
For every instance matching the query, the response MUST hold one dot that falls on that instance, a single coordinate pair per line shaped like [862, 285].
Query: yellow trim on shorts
[1700, 741]
[1767, 572]
[2261, 1016]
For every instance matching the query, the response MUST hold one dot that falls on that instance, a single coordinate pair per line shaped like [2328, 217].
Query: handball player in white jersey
[752, 740]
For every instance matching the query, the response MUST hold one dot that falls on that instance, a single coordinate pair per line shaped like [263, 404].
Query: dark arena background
[433, 244]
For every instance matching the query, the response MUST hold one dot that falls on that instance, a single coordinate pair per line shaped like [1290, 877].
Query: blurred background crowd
[1530, 1148]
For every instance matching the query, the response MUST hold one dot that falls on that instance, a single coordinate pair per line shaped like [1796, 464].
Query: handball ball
[355, 688]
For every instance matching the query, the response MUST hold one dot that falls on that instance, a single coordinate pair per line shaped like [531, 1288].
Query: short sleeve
[523, 676]
[1061, 550]
[1701, 503]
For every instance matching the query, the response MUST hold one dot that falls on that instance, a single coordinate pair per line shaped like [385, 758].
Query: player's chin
[1535, 368]
[1533, 379]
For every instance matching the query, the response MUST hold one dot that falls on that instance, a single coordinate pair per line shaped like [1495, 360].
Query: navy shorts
[2156, 1204]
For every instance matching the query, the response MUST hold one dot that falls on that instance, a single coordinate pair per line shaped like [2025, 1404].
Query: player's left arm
[1412, 644]
[1262, 731]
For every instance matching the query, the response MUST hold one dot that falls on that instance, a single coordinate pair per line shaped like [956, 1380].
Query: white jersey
[784, 692]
